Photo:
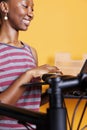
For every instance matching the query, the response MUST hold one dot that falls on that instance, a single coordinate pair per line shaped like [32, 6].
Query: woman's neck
[8, 34]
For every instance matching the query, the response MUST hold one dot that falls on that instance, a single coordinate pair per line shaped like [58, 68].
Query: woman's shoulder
[30, 47]
[33, 51]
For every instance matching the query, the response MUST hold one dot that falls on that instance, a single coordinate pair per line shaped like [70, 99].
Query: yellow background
[58, 26]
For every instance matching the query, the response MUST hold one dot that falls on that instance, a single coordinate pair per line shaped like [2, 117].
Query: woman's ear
[4, 7]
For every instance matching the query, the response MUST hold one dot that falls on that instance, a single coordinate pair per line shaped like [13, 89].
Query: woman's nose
[30, 13]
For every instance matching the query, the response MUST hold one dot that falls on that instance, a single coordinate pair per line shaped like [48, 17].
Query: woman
[18, 61]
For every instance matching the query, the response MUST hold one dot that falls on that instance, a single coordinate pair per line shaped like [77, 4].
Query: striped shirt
[13, 62]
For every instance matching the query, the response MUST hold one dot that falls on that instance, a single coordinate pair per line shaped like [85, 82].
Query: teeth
[26, 22]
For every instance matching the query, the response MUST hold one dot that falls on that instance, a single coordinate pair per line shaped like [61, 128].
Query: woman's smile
[26, 22]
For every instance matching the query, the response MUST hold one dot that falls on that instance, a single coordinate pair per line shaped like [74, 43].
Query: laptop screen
[84, 68]
[77, 93]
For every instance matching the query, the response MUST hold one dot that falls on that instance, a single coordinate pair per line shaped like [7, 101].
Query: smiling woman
[18, 61]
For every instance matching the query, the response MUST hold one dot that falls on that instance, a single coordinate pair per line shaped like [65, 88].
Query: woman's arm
[13, 92]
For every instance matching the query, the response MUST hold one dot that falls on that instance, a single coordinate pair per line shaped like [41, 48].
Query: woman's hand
[39, 71]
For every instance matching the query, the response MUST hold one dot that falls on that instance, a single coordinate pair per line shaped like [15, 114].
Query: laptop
[84, 68]
[77, 93]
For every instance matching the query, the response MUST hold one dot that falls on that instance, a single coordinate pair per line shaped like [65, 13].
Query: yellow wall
[58, 26]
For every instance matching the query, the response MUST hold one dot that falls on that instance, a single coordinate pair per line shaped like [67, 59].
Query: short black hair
[2, 0]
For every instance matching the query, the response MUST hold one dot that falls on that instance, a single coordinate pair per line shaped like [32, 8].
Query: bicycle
[55, 118]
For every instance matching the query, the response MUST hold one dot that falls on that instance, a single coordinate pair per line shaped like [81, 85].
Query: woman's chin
[24, 29]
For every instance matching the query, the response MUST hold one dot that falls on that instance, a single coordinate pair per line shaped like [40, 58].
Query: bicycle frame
[55, 118]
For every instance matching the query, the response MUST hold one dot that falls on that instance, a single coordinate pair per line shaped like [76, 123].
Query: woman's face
[20, 13]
